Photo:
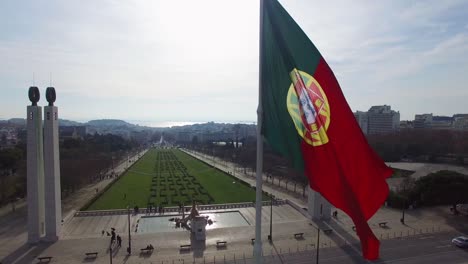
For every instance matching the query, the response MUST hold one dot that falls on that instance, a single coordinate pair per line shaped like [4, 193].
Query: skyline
[156, 61]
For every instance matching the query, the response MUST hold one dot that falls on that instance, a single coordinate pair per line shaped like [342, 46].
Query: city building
[460, 122]
[442, 122]
[380, 119]
[429, 121]
[405, 124]
[423, 121]
[363, 121]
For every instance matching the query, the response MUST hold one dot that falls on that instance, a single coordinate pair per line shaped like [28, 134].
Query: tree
[9, 164]
[4, 139]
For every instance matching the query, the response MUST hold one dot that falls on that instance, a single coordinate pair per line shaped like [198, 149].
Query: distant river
[178, 123]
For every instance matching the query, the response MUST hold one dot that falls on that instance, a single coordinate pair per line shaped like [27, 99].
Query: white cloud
[166, 56]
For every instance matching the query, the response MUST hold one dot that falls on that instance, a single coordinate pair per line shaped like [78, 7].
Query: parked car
[462, 208]
[461, 241]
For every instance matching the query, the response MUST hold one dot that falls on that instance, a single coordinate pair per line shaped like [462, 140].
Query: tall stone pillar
[53, 207]
[35, 168]
[318, 207]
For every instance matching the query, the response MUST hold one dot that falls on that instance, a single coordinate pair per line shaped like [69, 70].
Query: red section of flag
[346, 171]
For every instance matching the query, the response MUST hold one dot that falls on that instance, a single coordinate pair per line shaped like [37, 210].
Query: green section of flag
[285, 47]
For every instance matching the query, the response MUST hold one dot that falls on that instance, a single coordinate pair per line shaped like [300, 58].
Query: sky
[160, 61]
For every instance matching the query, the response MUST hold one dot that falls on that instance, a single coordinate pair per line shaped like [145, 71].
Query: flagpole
[258, 187]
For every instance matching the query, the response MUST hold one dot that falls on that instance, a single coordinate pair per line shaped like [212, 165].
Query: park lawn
[134, 183]
[223, 188]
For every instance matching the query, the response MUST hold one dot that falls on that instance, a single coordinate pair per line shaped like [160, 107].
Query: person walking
[113, 236]
[119, 241]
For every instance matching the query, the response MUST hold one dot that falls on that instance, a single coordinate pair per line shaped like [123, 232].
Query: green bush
[396, 200]
[440, 188]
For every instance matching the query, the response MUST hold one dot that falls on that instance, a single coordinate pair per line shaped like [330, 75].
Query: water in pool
[155, 224]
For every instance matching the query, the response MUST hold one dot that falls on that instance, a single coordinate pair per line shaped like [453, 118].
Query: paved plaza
[84, 233]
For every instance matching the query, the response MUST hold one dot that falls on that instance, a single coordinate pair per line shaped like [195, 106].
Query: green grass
[170, 178]
[134, 185]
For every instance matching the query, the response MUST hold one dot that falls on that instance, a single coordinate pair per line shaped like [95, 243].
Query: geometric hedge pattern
[173, 185]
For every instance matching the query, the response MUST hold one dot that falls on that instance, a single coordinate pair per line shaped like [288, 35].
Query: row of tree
[416, 144]
[82, 161]
[422, 145]
[440, 188]
[245, 156]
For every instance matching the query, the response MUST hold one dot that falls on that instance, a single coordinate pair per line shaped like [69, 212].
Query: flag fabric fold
[307, 119]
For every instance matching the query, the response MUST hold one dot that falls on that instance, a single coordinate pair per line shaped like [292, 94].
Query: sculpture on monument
[50, 95]
[34, 95]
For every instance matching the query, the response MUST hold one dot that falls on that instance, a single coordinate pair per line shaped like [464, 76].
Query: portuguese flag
[307, 119]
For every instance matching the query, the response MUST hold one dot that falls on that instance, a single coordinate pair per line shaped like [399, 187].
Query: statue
[50, 95]
[34, 95]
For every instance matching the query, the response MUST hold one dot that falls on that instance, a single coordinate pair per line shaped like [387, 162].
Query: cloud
[160, 58]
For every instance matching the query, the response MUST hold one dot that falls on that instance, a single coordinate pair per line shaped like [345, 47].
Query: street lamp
[402, 220]
[318, 245]
[270, 237]
[110, 253]
[113, 172]
[129, 249]
[234, 164]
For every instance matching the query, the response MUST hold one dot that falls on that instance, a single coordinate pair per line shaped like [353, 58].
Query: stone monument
[318, 207]
[198, 225]
[53, 207]
[35, 168]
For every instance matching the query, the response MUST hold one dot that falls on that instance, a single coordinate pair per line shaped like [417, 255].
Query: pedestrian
[113, 236]
[119, 241]
[125, 196]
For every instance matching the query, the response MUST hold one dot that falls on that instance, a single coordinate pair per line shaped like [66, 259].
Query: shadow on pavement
[458, 222]
[345, 241]
[26, 253]
[198, 246]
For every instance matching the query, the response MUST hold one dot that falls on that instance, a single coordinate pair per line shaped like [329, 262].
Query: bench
[327, 231]
[44, 258]
[383, 224]
[221, 244]
[146, 250]
[186, 247]
[299, 235]
[91, 254]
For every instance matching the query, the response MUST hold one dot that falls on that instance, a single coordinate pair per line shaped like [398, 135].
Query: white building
[382, 119]
[363, 121]
[460, 123]
[379, 119]
[423, 121]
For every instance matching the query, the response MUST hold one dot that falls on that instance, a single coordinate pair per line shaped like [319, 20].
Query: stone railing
[175, 209]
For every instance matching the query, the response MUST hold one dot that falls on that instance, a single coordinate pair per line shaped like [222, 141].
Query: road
[429, 248]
